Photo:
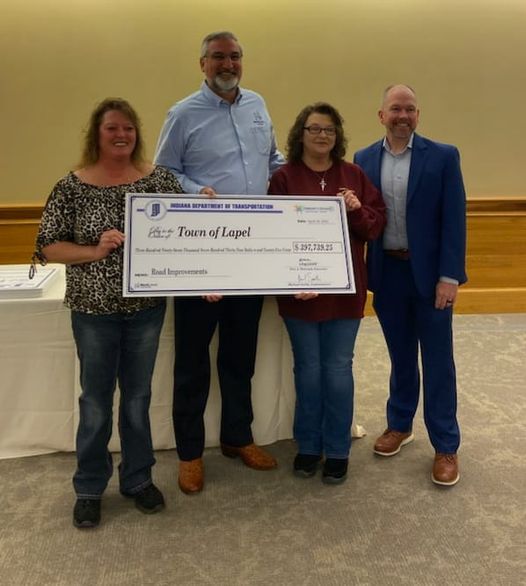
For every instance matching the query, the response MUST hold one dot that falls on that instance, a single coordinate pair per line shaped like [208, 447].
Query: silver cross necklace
[321, 177]
[323, 183]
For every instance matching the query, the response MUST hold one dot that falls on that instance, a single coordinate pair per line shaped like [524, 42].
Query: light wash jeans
[115, 347]
[323, 354]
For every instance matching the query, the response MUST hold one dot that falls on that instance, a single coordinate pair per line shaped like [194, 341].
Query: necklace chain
[323, 183]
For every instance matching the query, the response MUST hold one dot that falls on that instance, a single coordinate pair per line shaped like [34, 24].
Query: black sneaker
[334, 470]
[149, 500]
[86, 513]
[305, 465]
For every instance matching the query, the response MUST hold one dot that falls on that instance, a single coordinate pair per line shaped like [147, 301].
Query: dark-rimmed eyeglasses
[314, 129]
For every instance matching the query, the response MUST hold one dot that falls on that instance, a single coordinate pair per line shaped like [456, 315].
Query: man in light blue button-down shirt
[218, 140]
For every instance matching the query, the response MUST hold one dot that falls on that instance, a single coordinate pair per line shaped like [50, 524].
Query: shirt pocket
[262, 138]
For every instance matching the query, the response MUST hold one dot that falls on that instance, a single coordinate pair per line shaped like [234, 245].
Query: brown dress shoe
[390, 442]
[253, 456]
[445, 470]
[191, 476]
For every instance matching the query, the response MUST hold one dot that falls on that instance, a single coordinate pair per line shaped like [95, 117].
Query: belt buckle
[400, 253]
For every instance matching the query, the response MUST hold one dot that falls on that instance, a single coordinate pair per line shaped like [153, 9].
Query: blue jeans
[323, 354]
[115, 347]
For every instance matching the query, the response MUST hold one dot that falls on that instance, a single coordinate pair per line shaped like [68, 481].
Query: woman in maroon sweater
[323, 327]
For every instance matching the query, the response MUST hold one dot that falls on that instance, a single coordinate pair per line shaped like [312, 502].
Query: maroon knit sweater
[365, 224]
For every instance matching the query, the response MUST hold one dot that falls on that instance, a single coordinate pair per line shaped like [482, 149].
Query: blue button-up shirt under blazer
[394, 179]
[206, 141]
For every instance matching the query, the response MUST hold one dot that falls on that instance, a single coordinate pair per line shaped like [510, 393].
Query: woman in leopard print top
[117, 338]
[79, 212]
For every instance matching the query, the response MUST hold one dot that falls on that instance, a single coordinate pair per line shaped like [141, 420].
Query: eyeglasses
[234, 57]
[329, 130]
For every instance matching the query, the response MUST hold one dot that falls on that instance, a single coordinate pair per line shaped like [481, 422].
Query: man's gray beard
[226, 85]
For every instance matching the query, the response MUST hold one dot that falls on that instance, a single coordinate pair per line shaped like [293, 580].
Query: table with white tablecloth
[39, 384]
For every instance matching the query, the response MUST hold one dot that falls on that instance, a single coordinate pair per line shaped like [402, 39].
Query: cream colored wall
[465, 58]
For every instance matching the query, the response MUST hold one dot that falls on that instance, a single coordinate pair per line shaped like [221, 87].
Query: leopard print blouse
[80, 212]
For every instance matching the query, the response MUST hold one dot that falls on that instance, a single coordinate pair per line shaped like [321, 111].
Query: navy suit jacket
[435, 214]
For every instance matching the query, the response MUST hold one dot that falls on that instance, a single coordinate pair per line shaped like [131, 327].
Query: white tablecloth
[39, 384]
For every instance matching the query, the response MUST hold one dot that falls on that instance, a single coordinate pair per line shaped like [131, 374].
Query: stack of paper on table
[15, 281]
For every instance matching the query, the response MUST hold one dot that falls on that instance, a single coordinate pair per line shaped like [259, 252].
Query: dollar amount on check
[235, 245]
[316, 246]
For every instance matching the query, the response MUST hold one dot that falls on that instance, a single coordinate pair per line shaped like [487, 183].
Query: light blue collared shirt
[394, 179]
[206, 141]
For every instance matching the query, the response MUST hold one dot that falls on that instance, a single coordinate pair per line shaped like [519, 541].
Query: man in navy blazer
[414, 271]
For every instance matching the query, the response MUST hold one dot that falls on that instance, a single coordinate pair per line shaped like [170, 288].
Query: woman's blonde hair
[91, 150]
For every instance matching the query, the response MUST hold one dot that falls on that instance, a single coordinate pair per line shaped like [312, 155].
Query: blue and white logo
[155, 210]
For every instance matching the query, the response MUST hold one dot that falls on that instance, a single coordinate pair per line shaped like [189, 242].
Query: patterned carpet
[387, 525]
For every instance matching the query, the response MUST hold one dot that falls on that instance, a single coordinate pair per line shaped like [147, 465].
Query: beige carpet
[388, 525]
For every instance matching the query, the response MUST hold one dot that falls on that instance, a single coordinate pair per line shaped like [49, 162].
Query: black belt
[400, 254]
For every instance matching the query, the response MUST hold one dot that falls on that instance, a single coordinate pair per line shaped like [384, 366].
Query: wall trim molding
[494, 205]
[510, 204]
[20, 212]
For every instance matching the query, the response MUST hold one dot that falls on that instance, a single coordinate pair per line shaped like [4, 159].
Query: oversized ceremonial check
[235, 245]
